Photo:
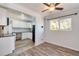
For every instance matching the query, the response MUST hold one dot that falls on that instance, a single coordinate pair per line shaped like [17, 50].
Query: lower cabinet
[26, 35]
[7, 45]
[29, 35]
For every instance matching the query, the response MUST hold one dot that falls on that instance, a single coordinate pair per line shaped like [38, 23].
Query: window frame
[59, 20]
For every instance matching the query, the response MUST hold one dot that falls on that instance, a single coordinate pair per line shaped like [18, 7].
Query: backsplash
[1, 30]
[22, 30]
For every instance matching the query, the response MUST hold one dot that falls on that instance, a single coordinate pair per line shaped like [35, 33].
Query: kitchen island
[7, 44]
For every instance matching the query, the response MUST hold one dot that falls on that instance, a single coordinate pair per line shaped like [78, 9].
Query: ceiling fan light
[51, 8]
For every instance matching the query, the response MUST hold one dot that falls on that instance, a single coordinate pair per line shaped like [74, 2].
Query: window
[63, 24]
[54, 25]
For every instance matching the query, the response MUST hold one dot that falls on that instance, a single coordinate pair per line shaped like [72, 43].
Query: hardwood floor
[47, 49]
[21, 46]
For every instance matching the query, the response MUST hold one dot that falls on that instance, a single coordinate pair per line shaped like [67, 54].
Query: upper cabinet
[3, 17]
[18, 24]
[21, 24]
[21, 20]
[28, 25]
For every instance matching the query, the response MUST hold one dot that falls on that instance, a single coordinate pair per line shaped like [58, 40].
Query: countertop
[23, 32]
[6, 35]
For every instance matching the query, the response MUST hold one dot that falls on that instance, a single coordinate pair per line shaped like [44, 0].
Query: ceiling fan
[52, 6]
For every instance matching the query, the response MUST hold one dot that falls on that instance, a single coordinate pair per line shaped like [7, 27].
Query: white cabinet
[3, 17]
[15, 23]
[21, 24]
[29, 35]
[7, 45]
[28, 25]
[26, 35]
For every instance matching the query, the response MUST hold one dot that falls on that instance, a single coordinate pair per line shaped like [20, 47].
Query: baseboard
[39, 42]
[62, 46]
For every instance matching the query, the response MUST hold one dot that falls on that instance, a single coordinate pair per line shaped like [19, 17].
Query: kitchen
[14, 26]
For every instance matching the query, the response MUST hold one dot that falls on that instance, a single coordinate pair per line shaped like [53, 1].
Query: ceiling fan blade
[57, 4]
[59, 8]
[44, 10]
[46, 4]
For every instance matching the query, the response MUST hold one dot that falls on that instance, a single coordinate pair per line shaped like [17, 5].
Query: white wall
[39, 19]
[69, 39]
[39, 30]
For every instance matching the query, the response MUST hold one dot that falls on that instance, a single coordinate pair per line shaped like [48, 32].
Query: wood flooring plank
[44, 49]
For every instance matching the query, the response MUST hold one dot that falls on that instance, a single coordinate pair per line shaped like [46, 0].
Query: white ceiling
[38, 7]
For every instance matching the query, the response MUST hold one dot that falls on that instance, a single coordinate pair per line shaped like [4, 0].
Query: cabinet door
[28, 25]
[4, 46]
[3, 18]
[30, 35]
[7, 44]
[12, 42]
[15, 23]
[24, 36]
[19, 24]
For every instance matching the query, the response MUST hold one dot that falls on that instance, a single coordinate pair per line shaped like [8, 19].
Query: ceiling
[38, 7]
